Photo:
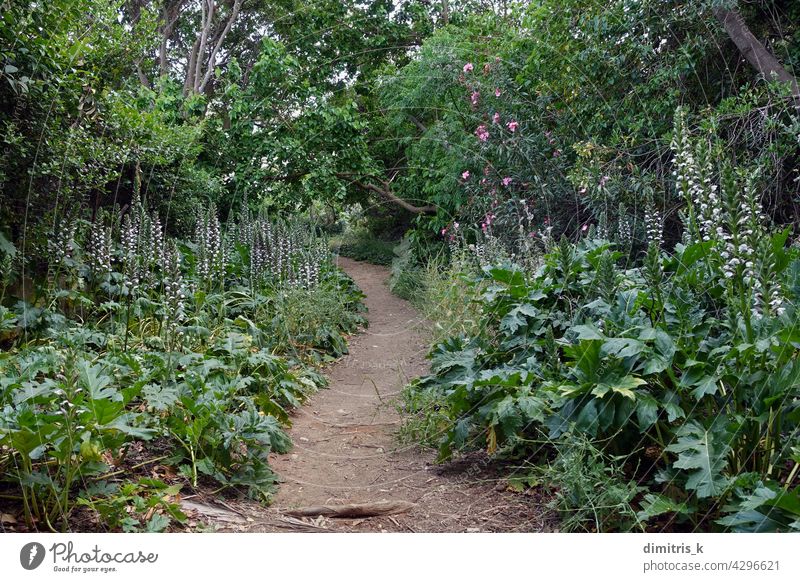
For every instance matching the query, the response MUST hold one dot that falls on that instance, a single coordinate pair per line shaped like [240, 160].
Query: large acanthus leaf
[445, 360]
[516, 318]
[587, 332]
[159, 396]
[96, 380]
[622, 347]
[702, 453]
[655, 504]
[6, 246]
[623, 386]
[646, 411]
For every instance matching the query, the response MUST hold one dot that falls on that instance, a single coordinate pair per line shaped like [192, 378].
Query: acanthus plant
[209, 248]
[186, 341]
[282, 253]
[723, 213]
[685, 367]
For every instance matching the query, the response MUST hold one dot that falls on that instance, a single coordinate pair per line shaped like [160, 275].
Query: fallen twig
[351, 510]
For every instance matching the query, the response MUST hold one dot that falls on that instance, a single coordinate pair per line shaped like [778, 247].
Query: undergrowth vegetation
[361, 245]
[663, 394]
[143, 366]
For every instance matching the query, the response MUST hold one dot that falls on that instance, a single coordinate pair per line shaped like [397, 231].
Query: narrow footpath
[346, 450]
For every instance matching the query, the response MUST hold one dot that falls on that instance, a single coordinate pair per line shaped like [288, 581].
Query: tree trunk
[753, 50]
[190, 67]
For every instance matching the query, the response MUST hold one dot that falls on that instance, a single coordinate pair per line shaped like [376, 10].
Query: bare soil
[346, 450]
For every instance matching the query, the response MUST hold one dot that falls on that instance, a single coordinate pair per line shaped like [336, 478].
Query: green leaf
[157, 523]
[515, 318]
[122, 424]
[588, 332]
[664, 345]
[622, 347]
[624, 386]
[692, 254]
[672, 405]
[654, 365]
[705, 385]
[96, 381]
[464, 359]
[702, 453]
[160, 397]
[647, 333]
[105, 411]
[6, 246]
[646, 411]
[655, 504]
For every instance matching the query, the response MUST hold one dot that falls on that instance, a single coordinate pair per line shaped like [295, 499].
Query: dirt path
[345, 450]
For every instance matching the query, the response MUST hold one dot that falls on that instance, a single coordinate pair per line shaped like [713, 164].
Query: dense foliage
[199, 347]
[683, 371]
[600, 200]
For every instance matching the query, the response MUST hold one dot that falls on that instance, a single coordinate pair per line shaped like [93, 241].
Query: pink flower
[506, 181]
[455, 225]
[444, 231]
[584, 228]
[474, 98]
[556, 153]
[512, 126]
[468, 68]
[465, 175]
[497, 92]
[496, 117]
[482, 133]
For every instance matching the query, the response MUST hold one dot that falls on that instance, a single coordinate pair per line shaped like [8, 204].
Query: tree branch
[142, 77]
[208, 19]
[172, 14]
[384, 191]
[387, 193]
[418, 123]
[213, 58]
[753, 50]
[190, 67]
